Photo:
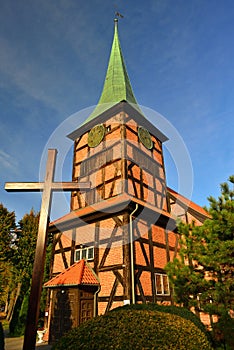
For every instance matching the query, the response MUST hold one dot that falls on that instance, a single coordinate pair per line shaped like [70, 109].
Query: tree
[23, 262]
[7, 237]
[7, 227]
[203, 275]
[17, 251]
[26, 245]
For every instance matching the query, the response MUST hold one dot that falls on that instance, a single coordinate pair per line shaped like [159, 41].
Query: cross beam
[47, 187]
[40, 186]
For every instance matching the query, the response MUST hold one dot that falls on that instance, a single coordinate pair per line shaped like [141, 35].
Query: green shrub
[128, 329]
[170, 309]
[223, 332]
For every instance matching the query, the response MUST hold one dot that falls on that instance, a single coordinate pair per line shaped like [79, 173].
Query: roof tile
[78, 274]
[188, 202]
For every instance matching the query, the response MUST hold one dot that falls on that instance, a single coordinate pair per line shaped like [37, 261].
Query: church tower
[120, 224]
[117, 148]
[122, 227]
[120, 152]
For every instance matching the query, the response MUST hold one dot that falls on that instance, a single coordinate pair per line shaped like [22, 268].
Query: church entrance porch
[73, 299]
[70, 308]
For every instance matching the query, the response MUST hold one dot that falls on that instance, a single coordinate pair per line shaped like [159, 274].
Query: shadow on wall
[61, 320]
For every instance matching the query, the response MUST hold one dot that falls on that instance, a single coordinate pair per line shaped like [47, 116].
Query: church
[112, 247]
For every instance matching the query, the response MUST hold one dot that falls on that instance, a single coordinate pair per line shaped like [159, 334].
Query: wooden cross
[47, 187]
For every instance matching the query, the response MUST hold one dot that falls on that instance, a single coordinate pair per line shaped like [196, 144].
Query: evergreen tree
[23, 261]
[7, 249]
[17, 251]
[7, 227]
[26, 245]
[203, 275]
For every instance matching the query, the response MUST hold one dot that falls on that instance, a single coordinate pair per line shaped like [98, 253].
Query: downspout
[132, 255]
[97, 291]
[95, 301]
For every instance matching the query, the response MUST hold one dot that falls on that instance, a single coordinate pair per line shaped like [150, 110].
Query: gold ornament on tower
[144, 137]
[96, 135]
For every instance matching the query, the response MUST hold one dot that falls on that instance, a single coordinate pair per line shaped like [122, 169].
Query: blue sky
[53, 60]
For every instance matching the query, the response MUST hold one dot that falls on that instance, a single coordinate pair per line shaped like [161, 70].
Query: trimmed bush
[170, 309]
[127, 329]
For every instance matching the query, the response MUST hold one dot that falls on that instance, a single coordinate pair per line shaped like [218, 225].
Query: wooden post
[47, 187]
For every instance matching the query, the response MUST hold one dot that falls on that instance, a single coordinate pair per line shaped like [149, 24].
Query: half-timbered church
[112, 248]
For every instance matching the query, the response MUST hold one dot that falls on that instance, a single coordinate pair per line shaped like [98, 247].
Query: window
[162, 284]
[108, 128]
[84, 253]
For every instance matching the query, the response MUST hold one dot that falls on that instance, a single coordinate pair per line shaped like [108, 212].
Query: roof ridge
[92, 271]
[188, 202]
[67, 278]
[82, 270]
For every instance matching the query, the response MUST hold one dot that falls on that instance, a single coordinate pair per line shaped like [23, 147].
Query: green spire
[117, 86]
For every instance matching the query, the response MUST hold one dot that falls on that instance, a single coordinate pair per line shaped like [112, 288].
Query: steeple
[117, 86]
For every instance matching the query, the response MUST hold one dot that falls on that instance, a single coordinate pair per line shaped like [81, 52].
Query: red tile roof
[117, 203]
[78, 274]
[111, 205]
[188, 203]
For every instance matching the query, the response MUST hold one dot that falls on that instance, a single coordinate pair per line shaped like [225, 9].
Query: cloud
[54, 61]
[25, 73]
[8, 162]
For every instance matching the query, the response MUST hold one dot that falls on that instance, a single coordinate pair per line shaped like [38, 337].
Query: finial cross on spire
[47, 187]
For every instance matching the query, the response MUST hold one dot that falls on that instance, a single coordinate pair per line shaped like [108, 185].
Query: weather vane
[117, 14]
